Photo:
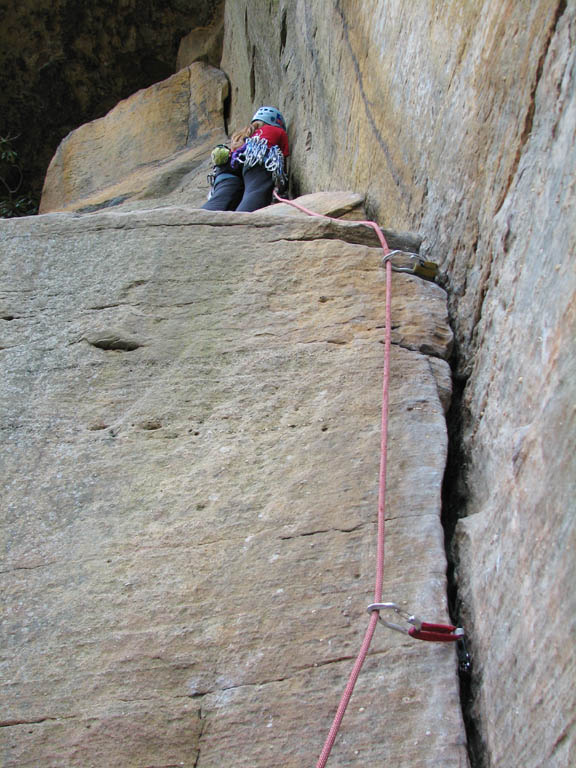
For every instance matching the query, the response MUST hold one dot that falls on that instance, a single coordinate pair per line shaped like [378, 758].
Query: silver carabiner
[414, 621]
[388, 257]
[428, 270]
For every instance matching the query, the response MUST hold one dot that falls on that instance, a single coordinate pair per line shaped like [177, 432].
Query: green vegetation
[13, 202]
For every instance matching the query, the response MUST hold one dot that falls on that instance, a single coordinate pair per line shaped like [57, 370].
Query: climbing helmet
[271, 116]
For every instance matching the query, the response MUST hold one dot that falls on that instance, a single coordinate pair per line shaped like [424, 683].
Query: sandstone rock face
[339, 204]
[521, 430]
[459, 122]
[192, 408]
[153, 138]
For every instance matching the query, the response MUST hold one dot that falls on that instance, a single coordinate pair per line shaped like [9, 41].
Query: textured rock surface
[343, 205]
[521, 431]
[147, 141]
[458, 121]
[191, 407]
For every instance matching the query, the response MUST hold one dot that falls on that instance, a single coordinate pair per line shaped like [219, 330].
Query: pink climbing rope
[364, 648]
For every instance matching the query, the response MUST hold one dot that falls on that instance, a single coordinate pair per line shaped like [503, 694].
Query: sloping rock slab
[142, 147]
[191, 446]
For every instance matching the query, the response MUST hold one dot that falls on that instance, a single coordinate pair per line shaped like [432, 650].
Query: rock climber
[263, 157]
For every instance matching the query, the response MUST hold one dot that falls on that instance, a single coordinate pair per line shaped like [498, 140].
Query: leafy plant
[13, 202]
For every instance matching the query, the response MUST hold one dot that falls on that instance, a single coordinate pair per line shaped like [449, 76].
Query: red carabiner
[419, 630]
[439, 633]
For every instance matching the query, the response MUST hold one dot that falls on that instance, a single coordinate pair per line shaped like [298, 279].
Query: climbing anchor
[428, 270]
[418, 629]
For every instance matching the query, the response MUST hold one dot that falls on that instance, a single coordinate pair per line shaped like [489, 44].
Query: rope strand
[381, 535]
[364, 648]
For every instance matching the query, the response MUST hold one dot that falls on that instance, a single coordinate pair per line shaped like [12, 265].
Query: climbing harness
[417, 628]
[428, 270]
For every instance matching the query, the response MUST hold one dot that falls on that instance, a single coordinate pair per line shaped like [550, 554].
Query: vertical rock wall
[458, 119]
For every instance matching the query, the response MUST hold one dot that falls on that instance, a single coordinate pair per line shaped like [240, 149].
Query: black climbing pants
[258, 188]
[227, 194]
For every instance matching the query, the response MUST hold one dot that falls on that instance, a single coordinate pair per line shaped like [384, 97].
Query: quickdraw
[418, 629]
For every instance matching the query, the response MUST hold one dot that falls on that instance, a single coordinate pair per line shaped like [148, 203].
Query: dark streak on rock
[529, 119]
[202, 727]
[105, 204]
[33, 721]
[379, 138]
[324, 530]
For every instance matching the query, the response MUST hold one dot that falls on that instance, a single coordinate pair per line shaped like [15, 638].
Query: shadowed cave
[65, 62]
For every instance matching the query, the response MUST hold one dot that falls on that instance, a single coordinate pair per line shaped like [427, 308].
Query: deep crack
[454, 498]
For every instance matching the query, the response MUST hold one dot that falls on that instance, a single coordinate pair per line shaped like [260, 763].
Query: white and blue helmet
[271, 116]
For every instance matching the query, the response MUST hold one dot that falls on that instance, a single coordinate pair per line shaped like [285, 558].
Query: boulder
[143, 147]
[63, 64]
